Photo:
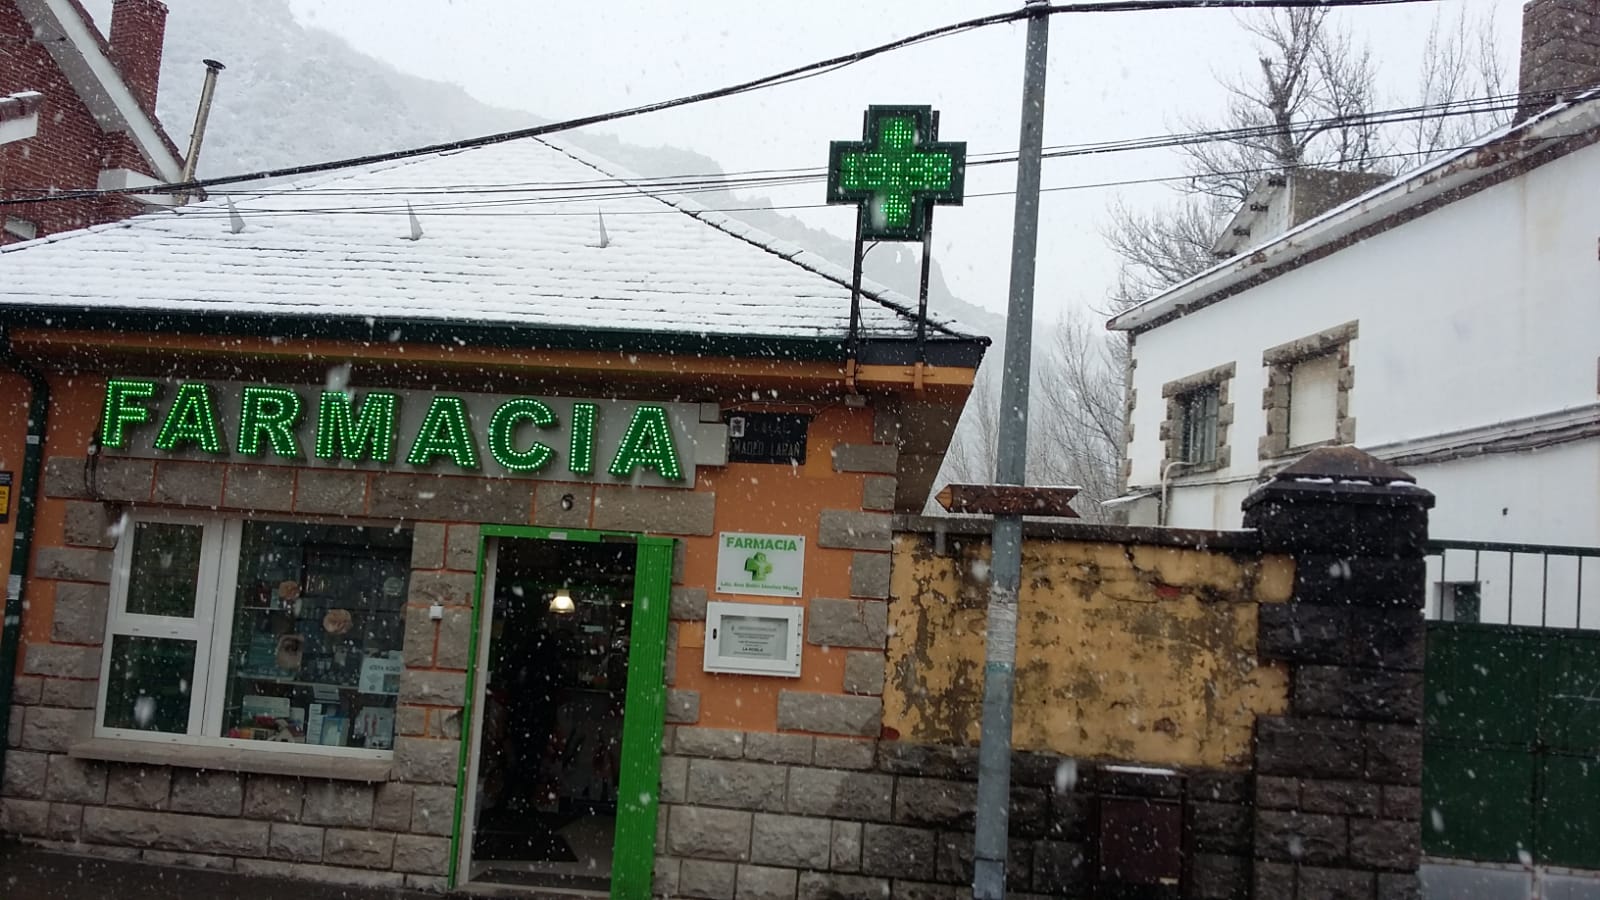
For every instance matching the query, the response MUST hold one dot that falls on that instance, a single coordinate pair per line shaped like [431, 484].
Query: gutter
[964, 352]
[22, 537]
[1499, 156]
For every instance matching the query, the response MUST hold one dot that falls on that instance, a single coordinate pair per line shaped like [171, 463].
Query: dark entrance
[551, 749]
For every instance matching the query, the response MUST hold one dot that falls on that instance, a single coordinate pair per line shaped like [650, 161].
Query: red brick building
[96, 122]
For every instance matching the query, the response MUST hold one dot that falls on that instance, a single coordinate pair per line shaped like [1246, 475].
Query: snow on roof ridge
[306, 255]
[800, 256]
[1400, 179]
[737, 228]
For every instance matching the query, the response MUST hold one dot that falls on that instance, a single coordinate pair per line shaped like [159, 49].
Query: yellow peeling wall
[1125, 652]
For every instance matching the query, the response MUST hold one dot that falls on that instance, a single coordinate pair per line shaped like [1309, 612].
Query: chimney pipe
[1560, 52]
[199, 134]
[138, 30]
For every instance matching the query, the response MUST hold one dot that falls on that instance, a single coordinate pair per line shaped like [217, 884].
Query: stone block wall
[1338, 776]
[387, 834]
[749, 815]
[265, 811]
[392, 829]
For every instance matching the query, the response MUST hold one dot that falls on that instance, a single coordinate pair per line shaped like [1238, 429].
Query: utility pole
[1005, 571]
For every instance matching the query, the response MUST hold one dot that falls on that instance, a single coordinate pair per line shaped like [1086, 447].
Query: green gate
[1511, 769]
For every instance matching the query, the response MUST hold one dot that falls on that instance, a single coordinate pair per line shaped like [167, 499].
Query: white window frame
[211, 627]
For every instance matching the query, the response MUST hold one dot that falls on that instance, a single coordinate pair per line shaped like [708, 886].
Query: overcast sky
[1111, 76]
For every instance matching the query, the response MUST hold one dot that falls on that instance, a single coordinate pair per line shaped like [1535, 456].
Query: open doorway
[554, 698]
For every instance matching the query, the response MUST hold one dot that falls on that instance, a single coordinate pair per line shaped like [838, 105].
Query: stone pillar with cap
[1338, 776]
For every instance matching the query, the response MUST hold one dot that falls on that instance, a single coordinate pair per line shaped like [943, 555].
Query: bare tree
[1078, 440]
[972, 454]
[1160, 249]
[1305, 104]
[1460, 60]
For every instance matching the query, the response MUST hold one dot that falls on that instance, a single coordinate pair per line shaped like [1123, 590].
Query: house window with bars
[1198, 444]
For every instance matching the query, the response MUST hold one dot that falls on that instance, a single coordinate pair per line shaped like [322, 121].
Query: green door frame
[644, 712]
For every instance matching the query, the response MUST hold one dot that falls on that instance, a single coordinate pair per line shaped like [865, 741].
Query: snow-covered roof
[1505, 152]
[529, 234]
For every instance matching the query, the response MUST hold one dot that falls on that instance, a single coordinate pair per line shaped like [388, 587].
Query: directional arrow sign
[1008, 500]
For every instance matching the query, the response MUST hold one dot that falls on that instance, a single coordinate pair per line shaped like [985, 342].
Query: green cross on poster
[758, 566]
[897, 172]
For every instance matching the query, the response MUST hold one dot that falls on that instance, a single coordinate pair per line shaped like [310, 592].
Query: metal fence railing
[1514, 584]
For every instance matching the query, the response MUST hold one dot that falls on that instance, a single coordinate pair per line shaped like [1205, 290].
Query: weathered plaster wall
[1124, 651]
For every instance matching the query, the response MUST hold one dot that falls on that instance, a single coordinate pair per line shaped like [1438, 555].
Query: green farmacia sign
[554, 438]
[897, 172]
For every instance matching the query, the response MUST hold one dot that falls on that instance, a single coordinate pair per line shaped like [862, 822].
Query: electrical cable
[468, 208]
[604, 189]
[553, 193]
[785, 77]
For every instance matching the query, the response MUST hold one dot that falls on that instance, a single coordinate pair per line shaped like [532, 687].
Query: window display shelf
[295, 682]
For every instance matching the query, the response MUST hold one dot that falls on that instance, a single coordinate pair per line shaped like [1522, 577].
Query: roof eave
[938, 350]
[1436, 184]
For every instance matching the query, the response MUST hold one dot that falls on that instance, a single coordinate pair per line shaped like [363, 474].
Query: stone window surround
[232, 759]
[1171, 434]
[1280, 362]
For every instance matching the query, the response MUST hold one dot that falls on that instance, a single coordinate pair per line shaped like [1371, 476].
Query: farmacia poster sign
[768, 565]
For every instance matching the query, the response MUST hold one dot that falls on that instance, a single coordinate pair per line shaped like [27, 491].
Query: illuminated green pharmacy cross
[895, 174]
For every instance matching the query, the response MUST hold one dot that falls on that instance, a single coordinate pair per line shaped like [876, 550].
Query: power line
[785, 77]
[602, 190]
[621, 188]
[470, 208]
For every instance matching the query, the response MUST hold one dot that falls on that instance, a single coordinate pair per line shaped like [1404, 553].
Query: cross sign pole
[1005, 568]
[896, 174]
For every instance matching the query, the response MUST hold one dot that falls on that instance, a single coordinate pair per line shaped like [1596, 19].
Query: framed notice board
[753, 638]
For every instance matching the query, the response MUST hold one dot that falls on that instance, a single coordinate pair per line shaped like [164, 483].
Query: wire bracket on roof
[416, 225]
[235, 221]
[605, 239]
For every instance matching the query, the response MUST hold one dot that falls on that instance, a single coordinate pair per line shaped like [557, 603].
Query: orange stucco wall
[13, 429]
[776, 500]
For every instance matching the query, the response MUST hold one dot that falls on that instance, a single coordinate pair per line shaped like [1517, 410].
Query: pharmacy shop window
[279, 635]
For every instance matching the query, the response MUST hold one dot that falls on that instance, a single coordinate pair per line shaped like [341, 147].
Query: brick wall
[391, 831]
[1560, 51]
[138, 30]
[69, 151]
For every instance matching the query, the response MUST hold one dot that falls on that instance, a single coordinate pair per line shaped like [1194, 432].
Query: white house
[1447, 321]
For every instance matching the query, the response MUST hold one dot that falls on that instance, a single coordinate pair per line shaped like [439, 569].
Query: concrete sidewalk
[29, 874]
